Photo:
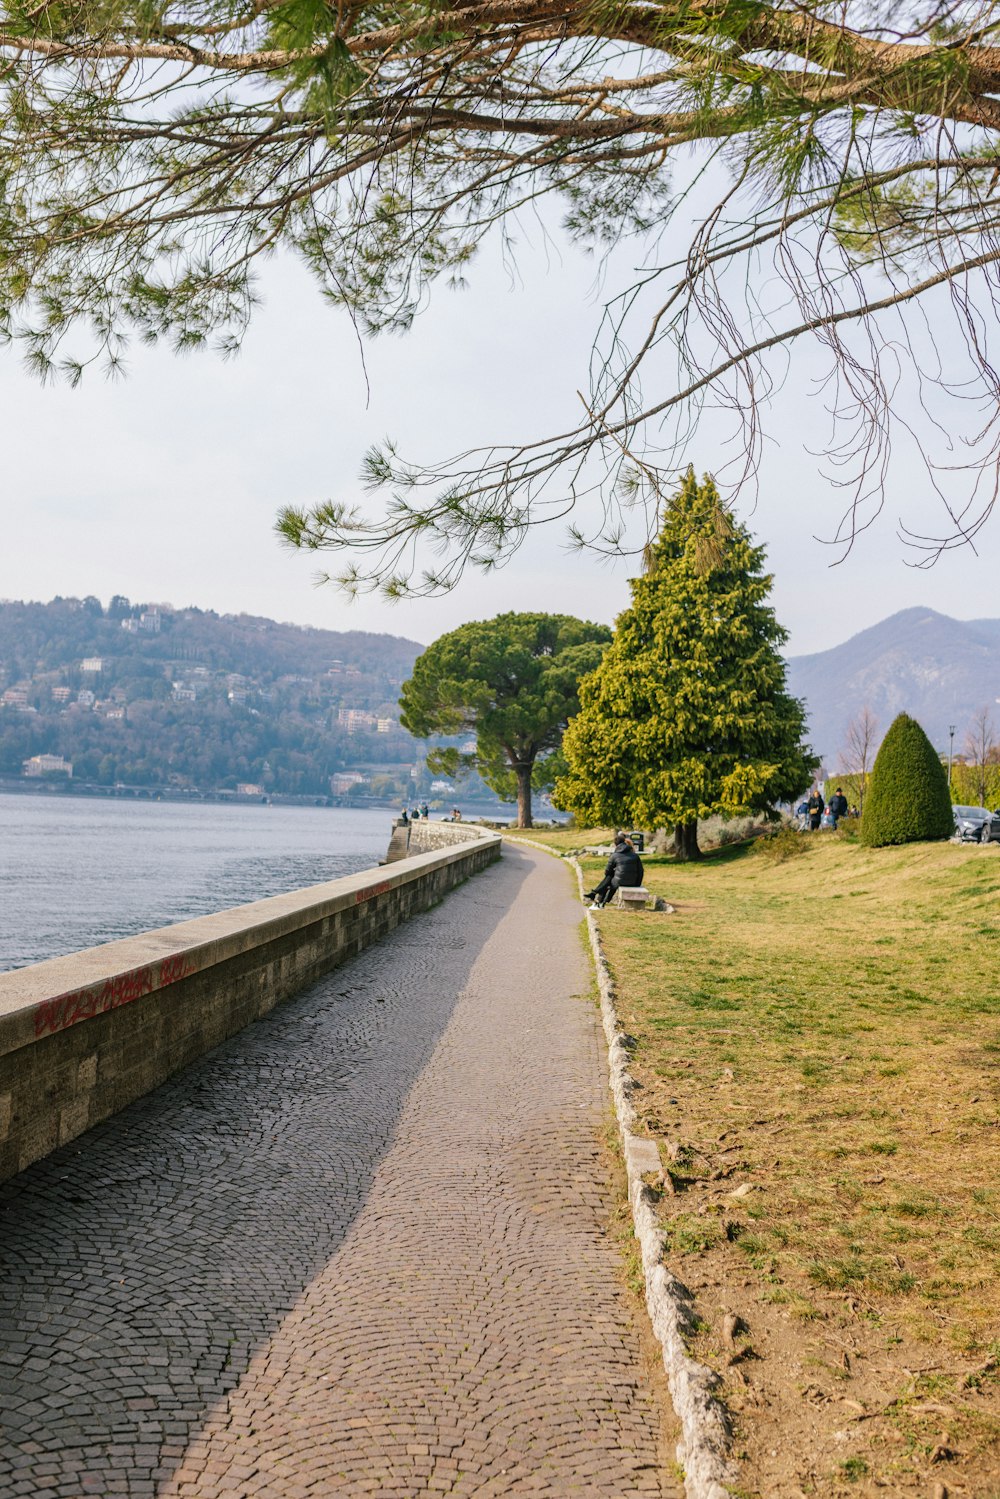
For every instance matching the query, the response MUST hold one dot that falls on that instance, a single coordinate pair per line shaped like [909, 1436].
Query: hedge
[908, 800]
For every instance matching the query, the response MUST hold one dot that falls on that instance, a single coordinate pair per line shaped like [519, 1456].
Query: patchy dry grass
[564, 840]
[819, 1047]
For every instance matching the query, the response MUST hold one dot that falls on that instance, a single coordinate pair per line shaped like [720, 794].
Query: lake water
[76, 872]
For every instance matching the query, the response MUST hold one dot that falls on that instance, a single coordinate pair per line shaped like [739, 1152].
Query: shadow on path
[141, 1266]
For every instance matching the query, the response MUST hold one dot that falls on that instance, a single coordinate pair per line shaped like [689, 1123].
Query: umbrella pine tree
[512, 682]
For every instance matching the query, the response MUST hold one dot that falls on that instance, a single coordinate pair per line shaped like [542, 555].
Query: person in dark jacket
[623, 868]
[838, 805]
[814, 809]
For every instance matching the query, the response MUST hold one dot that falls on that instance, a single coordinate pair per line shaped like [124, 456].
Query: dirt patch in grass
[819, 1056]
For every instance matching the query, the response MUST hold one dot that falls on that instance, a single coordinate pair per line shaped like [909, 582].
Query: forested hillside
[145, 694]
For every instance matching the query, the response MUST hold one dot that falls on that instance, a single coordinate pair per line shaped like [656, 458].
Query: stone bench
[631, 897]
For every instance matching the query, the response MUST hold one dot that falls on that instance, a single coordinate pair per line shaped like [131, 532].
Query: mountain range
[941, 671]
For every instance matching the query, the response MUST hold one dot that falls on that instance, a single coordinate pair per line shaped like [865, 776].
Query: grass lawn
[819, 1054]
[566, 840]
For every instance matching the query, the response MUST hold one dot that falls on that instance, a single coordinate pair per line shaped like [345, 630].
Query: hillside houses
[155, 695]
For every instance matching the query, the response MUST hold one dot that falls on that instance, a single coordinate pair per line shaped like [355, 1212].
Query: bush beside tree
[967, 782]
[908, 800]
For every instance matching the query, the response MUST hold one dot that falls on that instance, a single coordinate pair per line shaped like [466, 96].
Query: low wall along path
[84, 1035]
[360, 1248]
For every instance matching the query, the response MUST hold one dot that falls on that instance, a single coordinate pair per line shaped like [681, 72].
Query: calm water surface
[75, 872]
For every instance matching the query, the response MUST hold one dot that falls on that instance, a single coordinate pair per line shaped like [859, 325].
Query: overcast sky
[164, 487]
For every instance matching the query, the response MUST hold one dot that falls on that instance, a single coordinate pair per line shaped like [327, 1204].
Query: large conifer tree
[688, 715]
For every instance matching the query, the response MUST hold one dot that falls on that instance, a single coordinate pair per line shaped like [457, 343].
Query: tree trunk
[686, 841]
[523, 773]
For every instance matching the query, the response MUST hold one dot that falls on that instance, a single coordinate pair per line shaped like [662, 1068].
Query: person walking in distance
[814, 808]
[838, 805]
[624, 867]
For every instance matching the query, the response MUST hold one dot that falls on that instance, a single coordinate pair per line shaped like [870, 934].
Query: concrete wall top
[48, 997]
[427, 835]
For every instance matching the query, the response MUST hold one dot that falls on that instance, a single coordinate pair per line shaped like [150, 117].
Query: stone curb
[703, 1450]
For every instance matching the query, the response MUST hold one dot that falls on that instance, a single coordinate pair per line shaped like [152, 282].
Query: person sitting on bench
[623, 868]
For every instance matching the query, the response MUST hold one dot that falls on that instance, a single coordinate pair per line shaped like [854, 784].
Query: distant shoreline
[23, 786]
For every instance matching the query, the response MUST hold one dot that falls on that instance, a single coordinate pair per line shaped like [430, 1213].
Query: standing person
[425, 810]
[814, 808]
[623, 868]
[838, 805]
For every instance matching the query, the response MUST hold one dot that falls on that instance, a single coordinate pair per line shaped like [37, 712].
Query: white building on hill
[342, 781]
[44, 765]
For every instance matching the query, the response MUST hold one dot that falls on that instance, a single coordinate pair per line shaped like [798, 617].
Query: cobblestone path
[357, 1250]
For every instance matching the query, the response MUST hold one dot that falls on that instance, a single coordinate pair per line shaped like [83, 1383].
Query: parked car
[976, 824]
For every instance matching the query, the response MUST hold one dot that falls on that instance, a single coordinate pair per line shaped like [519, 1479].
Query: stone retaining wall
[421, 836]
[426, 836]
[84, 1035]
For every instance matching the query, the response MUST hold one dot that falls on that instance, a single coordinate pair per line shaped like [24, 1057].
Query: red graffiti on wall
[83, 1004]
[173, 969]
[363, 895]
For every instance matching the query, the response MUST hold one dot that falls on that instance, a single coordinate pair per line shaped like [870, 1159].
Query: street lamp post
[951, 745]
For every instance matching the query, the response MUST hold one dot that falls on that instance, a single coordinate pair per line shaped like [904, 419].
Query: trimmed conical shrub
[908, 801]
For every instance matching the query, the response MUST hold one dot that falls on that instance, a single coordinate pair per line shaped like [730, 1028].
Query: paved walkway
[357, 1250]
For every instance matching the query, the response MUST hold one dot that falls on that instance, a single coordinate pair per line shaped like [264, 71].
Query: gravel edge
[706, 1432]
